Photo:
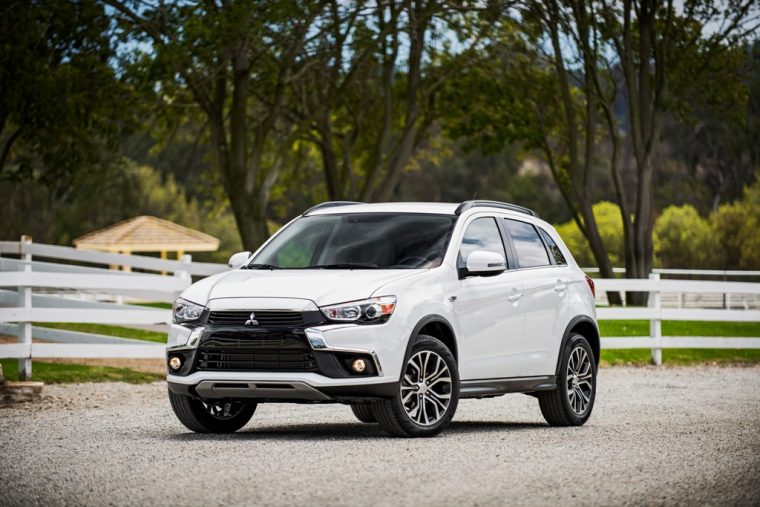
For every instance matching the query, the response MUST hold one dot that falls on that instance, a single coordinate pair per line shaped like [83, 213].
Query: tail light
[590, 282]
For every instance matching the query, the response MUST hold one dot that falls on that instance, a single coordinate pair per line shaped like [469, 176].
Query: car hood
[323, 286]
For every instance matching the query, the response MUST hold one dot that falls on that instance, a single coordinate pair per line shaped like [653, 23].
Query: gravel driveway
[657, 436]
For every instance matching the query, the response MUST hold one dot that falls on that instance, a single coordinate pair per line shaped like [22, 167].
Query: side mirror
[238, 259]
[482, 263]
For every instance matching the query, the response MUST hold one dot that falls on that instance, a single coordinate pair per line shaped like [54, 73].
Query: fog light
[175, 363]
[358, 365]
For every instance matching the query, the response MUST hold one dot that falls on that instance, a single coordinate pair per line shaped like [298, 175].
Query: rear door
[488, 309]
[545, 282]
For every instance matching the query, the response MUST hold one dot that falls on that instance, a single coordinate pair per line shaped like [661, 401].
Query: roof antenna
[474, 195]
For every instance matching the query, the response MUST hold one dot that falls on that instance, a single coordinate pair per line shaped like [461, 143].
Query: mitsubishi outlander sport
[398, 310]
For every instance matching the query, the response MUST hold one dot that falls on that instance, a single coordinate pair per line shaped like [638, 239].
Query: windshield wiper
[262, 266]
[346, 265]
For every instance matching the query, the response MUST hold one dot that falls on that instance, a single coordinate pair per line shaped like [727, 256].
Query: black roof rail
[493, 204]
[329, 204]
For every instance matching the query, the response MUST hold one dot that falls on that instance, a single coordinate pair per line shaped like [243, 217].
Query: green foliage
[610, 225]
[61, 103]
[682, 238]
[727, 239]
[99, 199]
[736, 229]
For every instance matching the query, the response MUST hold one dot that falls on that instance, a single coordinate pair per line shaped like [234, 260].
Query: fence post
[25, 301]
[184, 271]
[655, 324]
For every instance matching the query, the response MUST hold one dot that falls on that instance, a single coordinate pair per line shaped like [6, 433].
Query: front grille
[270, 318]
[255, 352]
[256, 360]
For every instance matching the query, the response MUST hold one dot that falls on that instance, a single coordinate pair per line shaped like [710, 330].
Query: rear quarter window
[553, 248]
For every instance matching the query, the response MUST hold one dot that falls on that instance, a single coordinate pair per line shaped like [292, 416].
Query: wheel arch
[438, 327]
[586, 326]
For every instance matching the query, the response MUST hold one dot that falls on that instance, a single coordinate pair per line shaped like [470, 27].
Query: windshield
[359, 241]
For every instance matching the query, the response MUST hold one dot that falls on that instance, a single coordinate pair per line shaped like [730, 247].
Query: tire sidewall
[426, 342]
[574, 341]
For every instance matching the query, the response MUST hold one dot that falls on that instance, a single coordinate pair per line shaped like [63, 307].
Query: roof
[147, 234]
[440, 208]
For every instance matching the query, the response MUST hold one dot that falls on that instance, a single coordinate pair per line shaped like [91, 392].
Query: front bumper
[385, 343]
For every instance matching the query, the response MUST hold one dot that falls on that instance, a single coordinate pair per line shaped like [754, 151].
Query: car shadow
[346, 431]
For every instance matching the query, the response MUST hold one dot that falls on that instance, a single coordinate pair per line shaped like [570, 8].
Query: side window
[481, 234]
[531, 252]
[553, 248]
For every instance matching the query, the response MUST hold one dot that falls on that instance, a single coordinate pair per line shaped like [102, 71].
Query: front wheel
[571, 403]
[211, 417]
[363, 412]
[428, 392]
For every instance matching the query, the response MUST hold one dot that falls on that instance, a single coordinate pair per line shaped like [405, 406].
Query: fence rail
[58, 286]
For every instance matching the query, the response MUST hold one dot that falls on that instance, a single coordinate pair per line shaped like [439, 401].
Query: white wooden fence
[55, 283]
[655, 314]
[58, 288]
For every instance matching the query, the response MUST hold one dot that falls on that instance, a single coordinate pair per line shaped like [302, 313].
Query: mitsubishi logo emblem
[252, 320]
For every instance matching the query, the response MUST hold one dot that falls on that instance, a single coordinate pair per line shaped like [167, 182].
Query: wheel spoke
[440, 379]
[437, 411]
[437, 400]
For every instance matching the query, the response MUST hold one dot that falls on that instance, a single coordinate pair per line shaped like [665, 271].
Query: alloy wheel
[579, 376]
[426, 388]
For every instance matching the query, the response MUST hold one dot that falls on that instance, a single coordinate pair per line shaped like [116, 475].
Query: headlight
[185, 311]
[369, 311]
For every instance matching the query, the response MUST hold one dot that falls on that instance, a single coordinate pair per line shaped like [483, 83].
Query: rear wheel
[211, 417]
[363, 412]
[573, 400]
[428, 392]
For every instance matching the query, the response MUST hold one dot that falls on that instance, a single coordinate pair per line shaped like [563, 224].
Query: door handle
[515, 297]
[560, 286]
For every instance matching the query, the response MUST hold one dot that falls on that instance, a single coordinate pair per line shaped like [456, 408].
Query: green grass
[59, 373]
[679, 328]
[117, 331]
[680, 356]
[163, 306]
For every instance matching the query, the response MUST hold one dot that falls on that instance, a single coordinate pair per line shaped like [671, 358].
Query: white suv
[397, 309]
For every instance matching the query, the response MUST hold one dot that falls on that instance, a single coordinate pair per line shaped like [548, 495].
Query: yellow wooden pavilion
[147, 234]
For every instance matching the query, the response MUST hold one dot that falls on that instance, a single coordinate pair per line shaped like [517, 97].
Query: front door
[488, 310]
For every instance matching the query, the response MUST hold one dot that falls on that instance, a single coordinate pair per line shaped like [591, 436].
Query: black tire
[197, 417]
[391, 414]
[363, 412]
[555, 405]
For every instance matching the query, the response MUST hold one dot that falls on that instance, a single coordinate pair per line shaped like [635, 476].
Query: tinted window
[361, 240]
[553, 248]
[530, 249]
[481, 234]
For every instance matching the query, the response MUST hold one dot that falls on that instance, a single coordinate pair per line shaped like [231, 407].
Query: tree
[61, 104]
[614, 71]
[234, 61]
[684, 240]
[665, 60]
[368, 95]
[607, 218]
[521, 90]
[735, 228]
